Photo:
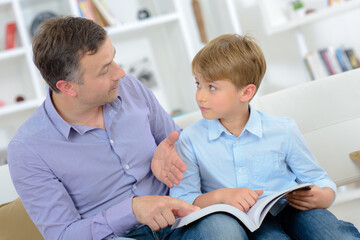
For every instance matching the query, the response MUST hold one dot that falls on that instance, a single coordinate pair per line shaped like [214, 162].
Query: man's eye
[105, 71]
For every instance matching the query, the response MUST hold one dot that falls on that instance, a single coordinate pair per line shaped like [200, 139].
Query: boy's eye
[212, 88]
[197, 84]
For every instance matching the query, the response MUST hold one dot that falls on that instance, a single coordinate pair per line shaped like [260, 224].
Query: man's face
[100, 78]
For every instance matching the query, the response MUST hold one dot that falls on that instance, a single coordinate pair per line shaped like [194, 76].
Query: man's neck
[74, 113]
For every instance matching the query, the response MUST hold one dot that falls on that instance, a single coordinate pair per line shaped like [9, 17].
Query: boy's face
[219, 99]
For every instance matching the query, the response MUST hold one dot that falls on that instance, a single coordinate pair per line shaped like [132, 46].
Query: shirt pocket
[266, 167]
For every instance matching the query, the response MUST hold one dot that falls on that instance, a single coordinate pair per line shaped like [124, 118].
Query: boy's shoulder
[199, 126]
[281, 121]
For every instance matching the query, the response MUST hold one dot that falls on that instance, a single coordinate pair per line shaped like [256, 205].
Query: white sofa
[328, 114]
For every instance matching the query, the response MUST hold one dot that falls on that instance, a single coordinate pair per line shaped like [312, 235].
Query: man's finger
[161, 221]
[173, 179]
[168, 183]
[168, 216]
[259, 192]
[153, 225]
[179, 164]
[176, 173]
[171, 139]
[180, 208]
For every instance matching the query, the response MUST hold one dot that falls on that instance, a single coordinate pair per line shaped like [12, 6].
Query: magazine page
[242, 216]
[251, 219]
[263, 205]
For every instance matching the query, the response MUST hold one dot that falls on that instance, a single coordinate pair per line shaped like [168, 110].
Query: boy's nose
[200, 96]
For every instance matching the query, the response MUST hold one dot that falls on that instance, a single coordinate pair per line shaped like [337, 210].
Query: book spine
[341, 60]
[335, 63]
[316, 67]
[325, 57]
[345, 58]
[350, 53]
[87, 10]
[10, 35]
[109, 19]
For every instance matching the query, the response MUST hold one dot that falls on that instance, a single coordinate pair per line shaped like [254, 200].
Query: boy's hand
[166, 164]
[242, 198]
[158, 212]
[316, 197]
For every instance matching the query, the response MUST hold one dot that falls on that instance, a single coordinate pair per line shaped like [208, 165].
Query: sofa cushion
[15, 223]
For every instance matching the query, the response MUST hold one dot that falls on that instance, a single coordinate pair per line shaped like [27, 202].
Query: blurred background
[157, 39]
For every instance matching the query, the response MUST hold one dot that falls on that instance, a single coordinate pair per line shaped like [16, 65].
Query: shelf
[4, 2]
[22, 106]
[142, 24]
[12, 53]
[315, 16]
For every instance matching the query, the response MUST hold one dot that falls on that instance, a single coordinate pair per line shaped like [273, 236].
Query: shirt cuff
[121, 218]
[327, 183]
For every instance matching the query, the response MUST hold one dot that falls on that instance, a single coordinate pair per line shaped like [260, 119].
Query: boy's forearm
[208, 199]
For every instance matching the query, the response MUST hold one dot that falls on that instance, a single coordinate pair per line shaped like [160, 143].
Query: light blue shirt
[78, 182]
[270, 155]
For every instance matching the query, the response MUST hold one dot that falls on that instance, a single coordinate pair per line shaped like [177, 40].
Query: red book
[10, 35]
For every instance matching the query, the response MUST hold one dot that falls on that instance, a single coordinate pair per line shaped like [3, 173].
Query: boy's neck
[236, 124]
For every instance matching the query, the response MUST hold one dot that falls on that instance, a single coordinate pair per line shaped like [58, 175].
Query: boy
[237, 154]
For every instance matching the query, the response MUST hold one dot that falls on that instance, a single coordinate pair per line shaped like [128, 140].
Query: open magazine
[251, 219]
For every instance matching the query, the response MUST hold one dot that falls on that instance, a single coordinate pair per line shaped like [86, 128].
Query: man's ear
[66, 87]
[248, 92]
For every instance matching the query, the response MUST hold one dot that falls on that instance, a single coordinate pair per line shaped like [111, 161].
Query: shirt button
[240, 171]
[236, 141]
[111, 141]
[134, 187]
[127, 166]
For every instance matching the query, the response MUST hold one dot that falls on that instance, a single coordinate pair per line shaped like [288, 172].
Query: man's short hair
[59, 44]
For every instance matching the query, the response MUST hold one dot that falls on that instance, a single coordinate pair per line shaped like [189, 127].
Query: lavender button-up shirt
[78, 182]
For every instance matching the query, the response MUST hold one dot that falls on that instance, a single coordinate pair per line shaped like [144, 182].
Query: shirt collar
[253, 125]
[64, 127]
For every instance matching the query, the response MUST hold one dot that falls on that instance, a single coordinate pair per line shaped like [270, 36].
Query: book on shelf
[331, 60]
[89, 11]
[354, 61]
[315, 65]
[105, 12]
[251, 219]
[343, 59]
[10, 35]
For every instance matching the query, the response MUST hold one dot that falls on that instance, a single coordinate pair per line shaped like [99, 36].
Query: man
[82, 163]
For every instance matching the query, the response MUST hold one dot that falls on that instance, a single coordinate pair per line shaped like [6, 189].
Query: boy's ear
[66, 87]
[248, 92]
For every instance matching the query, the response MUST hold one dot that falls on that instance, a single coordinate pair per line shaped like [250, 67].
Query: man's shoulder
[37, 126]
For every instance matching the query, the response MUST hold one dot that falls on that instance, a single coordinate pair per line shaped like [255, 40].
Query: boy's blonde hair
[231, 57]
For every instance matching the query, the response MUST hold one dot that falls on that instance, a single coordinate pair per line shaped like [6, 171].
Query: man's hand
[315, 197]
[166, 164]
[158, 212]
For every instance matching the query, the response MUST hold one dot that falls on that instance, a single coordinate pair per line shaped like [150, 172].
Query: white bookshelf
[275, 20]
[169, 37]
